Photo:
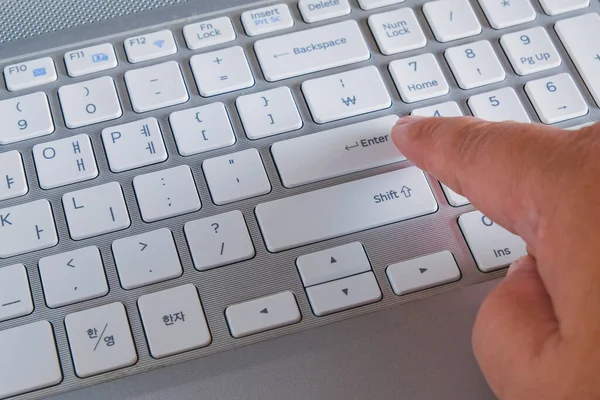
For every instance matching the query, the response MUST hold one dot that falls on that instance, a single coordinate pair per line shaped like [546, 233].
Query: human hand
[537, 335]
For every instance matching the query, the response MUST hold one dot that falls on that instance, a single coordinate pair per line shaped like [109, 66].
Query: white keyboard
[219, 181]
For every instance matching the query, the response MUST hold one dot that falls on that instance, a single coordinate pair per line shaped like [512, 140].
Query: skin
[537, 335]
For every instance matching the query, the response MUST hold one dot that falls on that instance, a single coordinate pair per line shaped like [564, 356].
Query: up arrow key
[333, 260]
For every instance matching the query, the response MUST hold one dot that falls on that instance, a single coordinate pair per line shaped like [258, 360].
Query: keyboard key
[167, 193]
[150, 46]
[382, 199]
[475, 64]
[26, 227]
[15, 295]
[346, 94]
[202, 129]
[174, 321]
[447, 109]
[336, 152]
[556, 98]
[30, 74]
[311, 50]
[269, 113]
[331, 264]
[419, 78]
[530, 51]
[72, 277]
[397, 31]
[146, 259]
[90, 59]
[319, 10]
[219, 240]
[493, 247]
[33, 362]
[235, 177]
[371, 4]
[65, 161]
[499, 105]
[504, 14]
[262, 314]
[344, 294]
[454, 199]
[25, 117]
[209, 33]
[100, 340]
[13, 182]
[584, 53]
[95, 211]
[221, 71]
[423, 273]
[555, 7]
[267, 19]
[156, 87]
[451, 19]
[134, 145]
[89, 102]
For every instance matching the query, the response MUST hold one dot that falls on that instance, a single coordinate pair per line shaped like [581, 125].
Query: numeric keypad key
[505, 13]
[451, 19]
[556, 98]
[475, 64]
[530, 51]
[499, 105]
[419, 78]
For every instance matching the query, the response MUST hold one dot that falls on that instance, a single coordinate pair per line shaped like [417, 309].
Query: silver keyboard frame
[266, 273]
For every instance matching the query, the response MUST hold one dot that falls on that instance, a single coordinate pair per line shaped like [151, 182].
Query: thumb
[513, 330]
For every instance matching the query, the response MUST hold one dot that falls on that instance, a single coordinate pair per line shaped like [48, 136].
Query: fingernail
[519, 265]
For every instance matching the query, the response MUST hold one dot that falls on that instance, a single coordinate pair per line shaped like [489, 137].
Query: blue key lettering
[75, 206]
[9, 182]
[349, 101]
[39, 72]
[49, 153]
[38, 231]
[4, 219]
[115, 136]
[80, 165]
[76, 147]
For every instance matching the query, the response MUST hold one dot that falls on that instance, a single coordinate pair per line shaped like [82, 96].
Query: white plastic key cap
[423, 273]
[555, 7]
[221, 71]
[95, 211]
[493, 247]
[346, 94]
[65, 161]
[209, 33]
[89, 102]
[25, 117]
[447, 109]
[33, 362]
[157, 86]
[584, 53]
[150, 46]
[331, 264]
[72, 277]
[27, 227]
[397, 31]
[100, 340]
[371, 4]
[13, 182]
[167, 193]
[146, 259]
[235, 177]
[311, 50]
[506, 13]
[419, 78]
[530, 51]
[267, 19]
[15, 295]
[556, 98]
[451, 19]
[475, 64]
[202, 129]
[30, 74]
[454, 199]
[499, 105]
[382, 199]
[134, 145]
[336, 152]
[262, 314]
[344, 294]
[269, 113]
[318, 10]
[174, 321]
[90, 59]
[219, 240]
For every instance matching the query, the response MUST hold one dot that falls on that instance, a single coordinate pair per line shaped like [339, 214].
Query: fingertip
[402, 132]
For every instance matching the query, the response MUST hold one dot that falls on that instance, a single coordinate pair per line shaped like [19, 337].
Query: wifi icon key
[151, 46]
